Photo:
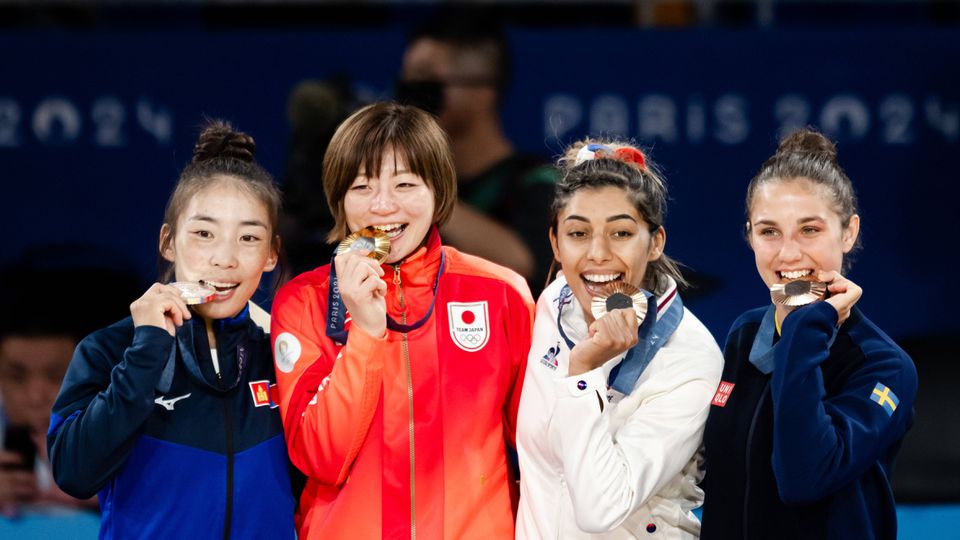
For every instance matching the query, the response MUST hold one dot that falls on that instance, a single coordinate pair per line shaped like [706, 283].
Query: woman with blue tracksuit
[167, 415]
[814, 401]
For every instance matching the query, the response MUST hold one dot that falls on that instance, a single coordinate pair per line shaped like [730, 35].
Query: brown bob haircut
[361, 142]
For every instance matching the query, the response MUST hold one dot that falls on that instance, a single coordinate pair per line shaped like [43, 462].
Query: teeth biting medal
[370, 239]
[194, 293]
[618, 296]
[798, 292]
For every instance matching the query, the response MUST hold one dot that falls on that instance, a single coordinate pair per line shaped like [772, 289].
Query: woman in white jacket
[612, 410]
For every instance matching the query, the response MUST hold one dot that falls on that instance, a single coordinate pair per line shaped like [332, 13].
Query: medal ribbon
[761, 353]
[652, 334]
[337, 312]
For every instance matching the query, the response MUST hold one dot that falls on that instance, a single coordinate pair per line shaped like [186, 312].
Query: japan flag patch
[469, 324]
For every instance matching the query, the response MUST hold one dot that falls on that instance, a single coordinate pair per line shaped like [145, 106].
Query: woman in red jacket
[399, 382]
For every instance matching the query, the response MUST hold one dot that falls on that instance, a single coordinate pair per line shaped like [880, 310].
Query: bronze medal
[799, 292]
[369, 239]
[619, 296]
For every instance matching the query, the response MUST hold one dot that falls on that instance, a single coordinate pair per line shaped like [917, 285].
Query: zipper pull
[396, 281]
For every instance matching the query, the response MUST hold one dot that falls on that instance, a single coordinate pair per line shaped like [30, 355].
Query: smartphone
[17, 439]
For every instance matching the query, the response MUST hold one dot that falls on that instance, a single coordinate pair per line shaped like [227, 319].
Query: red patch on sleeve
[723, 394]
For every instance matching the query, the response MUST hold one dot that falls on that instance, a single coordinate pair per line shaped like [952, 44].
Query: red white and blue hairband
[598, 151]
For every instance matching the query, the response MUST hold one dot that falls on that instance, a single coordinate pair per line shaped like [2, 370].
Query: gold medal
[194, 293]
[799, 292]
[619, 296]
[369, 239]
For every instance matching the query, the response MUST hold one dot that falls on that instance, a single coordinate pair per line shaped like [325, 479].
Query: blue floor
[916, 522]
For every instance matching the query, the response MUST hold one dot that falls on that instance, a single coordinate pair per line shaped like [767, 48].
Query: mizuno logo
[167, 403]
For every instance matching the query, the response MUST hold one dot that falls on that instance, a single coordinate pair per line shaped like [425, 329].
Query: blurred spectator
[457, 66]
[51, 297]
[314, 109]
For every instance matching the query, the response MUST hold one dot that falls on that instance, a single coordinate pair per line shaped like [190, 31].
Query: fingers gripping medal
[799, 292]
[619, 296]
[194, 293]
[370, 239]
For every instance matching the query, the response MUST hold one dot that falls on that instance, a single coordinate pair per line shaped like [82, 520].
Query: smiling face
[223, 239]
[795, 232]
[393, 200]
[602, 238]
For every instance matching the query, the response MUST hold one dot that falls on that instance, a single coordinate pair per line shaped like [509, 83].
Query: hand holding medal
[359, 278]
[843, 294]
[618, 312]
[165, 306]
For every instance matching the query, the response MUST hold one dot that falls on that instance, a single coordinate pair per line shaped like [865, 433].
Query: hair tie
[631, 155]
[626, 154]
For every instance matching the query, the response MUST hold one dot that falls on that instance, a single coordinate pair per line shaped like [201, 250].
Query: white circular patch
[286, 351]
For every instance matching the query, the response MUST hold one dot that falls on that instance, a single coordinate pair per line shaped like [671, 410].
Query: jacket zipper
[753, 425]
[406, 361]
[229, 429]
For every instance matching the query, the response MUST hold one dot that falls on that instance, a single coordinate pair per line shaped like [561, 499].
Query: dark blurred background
[100, 104]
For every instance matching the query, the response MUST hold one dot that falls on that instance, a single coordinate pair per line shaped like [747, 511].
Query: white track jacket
[629, 470]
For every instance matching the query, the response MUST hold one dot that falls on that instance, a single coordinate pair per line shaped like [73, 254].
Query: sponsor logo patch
[286, 351]
[469, 324]
[723, 394]
[168, 403]
[550, 359]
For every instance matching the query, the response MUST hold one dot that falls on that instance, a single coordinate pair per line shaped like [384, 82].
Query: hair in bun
[220, 154]
[219, 140]
[808, 142]
[807, 154]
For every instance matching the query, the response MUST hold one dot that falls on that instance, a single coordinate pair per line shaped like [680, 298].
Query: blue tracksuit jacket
[173, 450]
[806, 449]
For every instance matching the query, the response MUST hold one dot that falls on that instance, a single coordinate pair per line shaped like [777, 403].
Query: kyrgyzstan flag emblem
[469, 324]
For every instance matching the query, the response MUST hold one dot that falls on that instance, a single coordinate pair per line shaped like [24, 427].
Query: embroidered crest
[469, 324]
[723, 394]
[550, 359]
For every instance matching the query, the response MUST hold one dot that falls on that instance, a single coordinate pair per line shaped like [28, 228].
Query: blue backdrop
[94, 127]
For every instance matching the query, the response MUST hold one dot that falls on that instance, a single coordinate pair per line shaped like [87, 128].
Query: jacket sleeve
[327, 396]
[101, 406]
[519, 327]
[821, 444]
[609, 476]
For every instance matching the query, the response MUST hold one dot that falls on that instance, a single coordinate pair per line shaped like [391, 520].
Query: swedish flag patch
[885, 397]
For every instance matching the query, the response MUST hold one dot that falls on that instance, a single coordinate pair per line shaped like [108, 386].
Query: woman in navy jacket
[814, 401]
[167, 415]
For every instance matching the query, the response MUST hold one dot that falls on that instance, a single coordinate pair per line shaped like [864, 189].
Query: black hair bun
[219, 140]
[808, 141]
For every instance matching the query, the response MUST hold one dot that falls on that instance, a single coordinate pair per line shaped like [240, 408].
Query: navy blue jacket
[807, 451]
[173, 450]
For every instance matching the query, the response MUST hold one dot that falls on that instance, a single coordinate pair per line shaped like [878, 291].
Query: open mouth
[223, 288]
[794, 274]
[595, 282]
[392, 230]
